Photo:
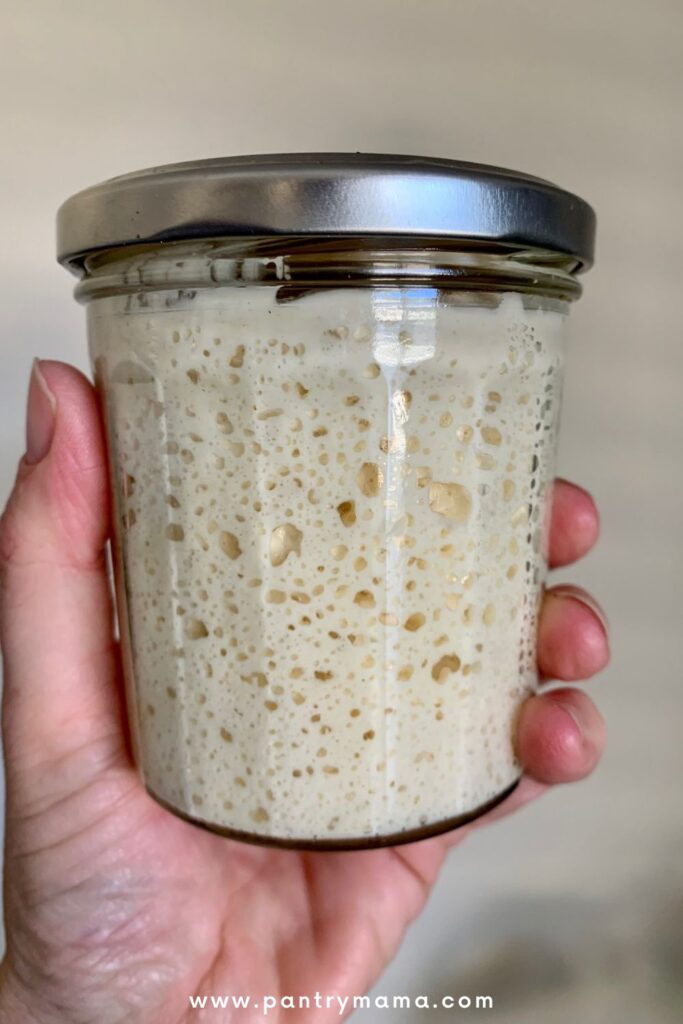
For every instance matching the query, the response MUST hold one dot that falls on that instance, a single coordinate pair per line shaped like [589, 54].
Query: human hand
[115, 909]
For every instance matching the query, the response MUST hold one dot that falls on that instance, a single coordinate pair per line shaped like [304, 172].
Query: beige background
[572, 911]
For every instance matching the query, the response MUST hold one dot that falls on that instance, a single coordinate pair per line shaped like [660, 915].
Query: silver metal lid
[325, 194]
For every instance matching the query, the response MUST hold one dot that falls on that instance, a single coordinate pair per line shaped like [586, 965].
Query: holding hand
[115, 909]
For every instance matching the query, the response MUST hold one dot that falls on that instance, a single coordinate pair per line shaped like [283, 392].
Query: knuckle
[15, 521]
[10, 538]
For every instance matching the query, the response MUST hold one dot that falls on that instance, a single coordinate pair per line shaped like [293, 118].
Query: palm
[152, 909]
[118, 911]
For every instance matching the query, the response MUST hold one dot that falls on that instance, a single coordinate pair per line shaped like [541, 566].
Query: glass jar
[331, 463]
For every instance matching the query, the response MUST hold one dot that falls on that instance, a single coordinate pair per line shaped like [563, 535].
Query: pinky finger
[560, 736]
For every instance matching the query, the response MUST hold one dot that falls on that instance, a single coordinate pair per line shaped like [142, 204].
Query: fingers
[55, 608]
[560, 736]
[560, 739]
[57, 512]
[574, 524]
[572, 635]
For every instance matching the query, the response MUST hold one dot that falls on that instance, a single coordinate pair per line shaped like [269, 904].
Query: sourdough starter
[332, 523]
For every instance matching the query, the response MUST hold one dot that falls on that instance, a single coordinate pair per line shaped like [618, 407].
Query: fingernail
[586, 718]
[40, 417]
[567, 590]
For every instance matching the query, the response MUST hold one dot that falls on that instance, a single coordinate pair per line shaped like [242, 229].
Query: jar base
[414, 835]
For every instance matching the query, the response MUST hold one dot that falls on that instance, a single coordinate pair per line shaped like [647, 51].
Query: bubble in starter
[444, 666]
[229, 544]
[370, 479]
[284, 540]
[195, 629]
[347, 512]
[451, 500]
[491, 435]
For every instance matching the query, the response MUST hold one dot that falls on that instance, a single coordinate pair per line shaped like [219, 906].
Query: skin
[115, 909]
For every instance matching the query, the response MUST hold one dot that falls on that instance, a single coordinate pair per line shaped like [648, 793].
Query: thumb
[61, 705]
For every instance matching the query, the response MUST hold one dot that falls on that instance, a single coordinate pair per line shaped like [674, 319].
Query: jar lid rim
[333, 194]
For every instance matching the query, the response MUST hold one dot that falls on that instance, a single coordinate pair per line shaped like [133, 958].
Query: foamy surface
[331, 514]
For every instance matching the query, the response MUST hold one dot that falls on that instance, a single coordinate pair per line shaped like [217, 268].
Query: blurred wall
[574, 909]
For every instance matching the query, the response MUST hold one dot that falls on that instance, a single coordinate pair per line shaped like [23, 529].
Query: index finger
[574, 524]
